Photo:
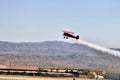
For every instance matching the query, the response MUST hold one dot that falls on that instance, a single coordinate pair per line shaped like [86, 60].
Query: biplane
[68, 34]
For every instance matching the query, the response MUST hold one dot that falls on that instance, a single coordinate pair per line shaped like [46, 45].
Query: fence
[113, 76]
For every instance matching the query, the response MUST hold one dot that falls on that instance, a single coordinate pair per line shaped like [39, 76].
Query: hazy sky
[96, 21]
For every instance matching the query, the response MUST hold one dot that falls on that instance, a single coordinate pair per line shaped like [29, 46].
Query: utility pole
[10, 64]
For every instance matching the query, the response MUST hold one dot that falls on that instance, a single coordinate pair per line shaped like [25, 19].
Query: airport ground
[17, 77]
[14, 77]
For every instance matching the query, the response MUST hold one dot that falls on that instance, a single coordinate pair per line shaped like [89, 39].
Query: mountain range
[56, 54]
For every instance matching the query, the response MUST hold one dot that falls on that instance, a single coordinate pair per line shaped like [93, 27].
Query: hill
[55, 54]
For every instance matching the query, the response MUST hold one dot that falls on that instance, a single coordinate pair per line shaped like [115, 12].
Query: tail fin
[77, 37]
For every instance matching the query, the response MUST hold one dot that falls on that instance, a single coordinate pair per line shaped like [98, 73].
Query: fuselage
[69, 35]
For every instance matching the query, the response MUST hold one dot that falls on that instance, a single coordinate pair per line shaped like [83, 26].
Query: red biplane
[68, 34]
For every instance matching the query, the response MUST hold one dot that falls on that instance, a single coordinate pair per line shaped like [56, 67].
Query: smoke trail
[112, 52]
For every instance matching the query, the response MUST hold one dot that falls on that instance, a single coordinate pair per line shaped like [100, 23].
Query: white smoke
[109, 51]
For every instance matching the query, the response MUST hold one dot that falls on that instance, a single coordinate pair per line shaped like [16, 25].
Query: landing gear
[65, 37]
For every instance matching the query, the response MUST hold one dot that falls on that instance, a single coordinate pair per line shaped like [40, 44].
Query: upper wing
[68, 32]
